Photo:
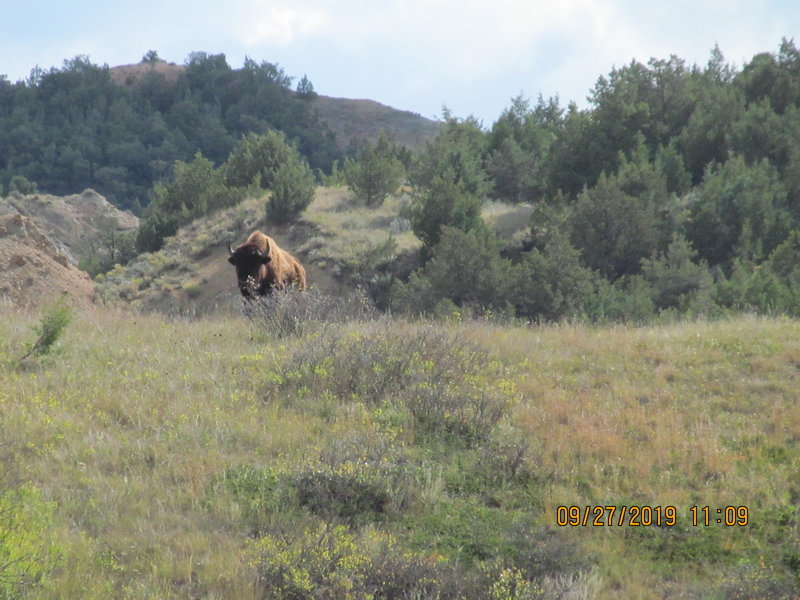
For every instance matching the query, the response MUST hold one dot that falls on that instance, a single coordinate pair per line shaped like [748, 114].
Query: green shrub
[447, 386]
[50, 327]
[296, 314]
[292, 190]
[465, 268]
[259, 492]
[375, 173]
[326, 561]
[357, 478]
[27, 551]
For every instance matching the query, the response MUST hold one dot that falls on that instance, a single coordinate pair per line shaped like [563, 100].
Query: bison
[262, 266]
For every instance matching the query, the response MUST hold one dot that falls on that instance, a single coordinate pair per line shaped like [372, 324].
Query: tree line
[69, 128]
[677, 190]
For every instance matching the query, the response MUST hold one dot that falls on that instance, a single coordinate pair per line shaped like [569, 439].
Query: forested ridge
[69, 128]
[676, 190]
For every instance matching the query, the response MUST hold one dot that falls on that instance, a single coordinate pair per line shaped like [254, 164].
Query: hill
[73, 223]
[359, 120]
[32, 270]
[351, 120]
[209, 457]
[340, 244]
[43, 238]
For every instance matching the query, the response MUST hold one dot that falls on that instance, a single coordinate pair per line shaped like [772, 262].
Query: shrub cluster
[445, 385]
[325, 561]
[295, 314]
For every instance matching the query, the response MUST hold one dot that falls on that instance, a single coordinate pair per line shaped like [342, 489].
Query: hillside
[354, 120]
[351, 120]
[42, 240]
[32, 270]
[335, 240]
[73, 223]
[215, 457]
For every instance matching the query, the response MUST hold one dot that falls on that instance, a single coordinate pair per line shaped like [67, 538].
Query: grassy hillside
[232, 458]
[340, 243]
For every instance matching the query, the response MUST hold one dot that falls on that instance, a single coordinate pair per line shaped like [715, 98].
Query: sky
[471, 56]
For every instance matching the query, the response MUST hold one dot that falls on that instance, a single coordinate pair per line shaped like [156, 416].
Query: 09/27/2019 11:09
[645, 516]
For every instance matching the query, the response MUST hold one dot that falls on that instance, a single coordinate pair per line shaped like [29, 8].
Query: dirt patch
[32, 271]
[128, 75]
[72, 223]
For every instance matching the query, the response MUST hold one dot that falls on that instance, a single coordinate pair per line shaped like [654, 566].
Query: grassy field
[237, 458]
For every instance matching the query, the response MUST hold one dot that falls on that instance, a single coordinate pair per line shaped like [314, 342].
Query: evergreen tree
[613, 230]
[449, 185]
[375, 172]
[738, 211]
[292, 190]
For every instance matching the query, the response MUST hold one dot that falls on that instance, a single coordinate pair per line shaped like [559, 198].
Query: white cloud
[473, 55]
[278, 25]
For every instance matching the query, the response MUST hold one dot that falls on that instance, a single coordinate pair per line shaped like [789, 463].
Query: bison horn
[230, 249]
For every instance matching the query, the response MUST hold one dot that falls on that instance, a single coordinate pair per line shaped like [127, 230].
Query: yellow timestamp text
[647, 516]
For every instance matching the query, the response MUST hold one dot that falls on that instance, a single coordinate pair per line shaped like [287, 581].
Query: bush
[292, 190]
[677, 281]
[259, 491]
[295, 313]
[374, 173]
[613, 230]
[50, 327]
[356, 479]
[27, 551]
[447, 386]
[465, 268]
[326, 561]
[196, 189]
[553, 284]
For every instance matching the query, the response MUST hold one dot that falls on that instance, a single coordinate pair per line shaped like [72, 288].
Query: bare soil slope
[72, 223]
[32, 270]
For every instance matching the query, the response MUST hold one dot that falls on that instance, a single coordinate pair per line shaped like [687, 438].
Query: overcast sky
[472, 56]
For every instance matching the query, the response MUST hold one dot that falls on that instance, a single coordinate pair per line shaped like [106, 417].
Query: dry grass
[349, 229]
[129, 427]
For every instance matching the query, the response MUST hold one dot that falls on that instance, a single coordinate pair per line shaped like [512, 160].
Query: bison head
[248, 260]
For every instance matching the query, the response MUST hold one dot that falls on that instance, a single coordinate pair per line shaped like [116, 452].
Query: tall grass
[210, 458]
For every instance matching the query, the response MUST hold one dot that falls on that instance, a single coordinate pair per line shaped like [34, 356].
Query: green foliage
[375, 172]
[27, 550]
[518, 146]
[259, 491]
[449, 183]
[110, 249]
[52, 325]
[256, 158]
[444, 203]
[305, 89]
[292, 190]
[331, 562]
[465, 268]
[739, 211]
[614, 230]
[21, 185]
[553, 285]
[677, 282]
[73, 127]
[445, 385]
[196, 188]
[354, 480]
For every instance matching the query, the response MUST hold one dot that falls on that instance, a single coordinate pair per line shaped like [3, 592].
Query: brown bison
[262, 266]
